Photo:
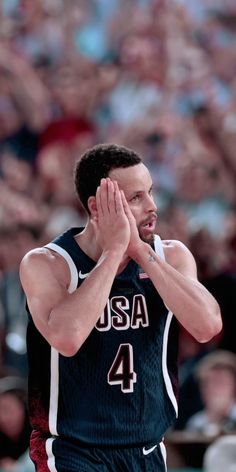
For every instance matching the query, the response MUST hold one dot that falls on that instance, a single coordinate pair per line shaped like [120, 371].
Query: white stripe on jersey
[169, 388]
[70, 262]
[54, 388]
[51, 457]
[166, 376]
[163, 451]
[159, 247]
[54, 380]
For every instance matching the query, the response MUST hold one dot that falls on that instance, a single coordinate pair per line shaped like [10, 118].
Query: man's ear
[92, 206]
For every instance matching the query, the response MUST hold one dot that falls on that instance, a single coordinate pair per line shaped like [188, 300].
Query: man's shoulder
[39, 257]
[43, 264]
[176, 252]
[38, 253]
[174, 246]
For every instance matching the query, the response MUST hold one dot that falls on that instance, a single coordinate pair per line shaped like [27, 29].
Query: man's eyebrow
[139, 192]
[135, 192]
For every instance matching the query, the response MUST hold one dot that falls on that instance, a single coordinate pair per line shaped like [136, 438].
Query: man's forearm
[72, 320]
[194, 307]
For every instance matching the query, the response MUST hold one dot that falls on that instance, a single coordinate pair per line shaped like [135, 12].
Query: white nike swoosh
[82, 276]
[147, 451]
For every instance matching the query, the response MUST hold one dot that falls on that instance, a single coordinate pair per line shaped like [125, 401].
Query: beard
[146, 239]
[146, 234]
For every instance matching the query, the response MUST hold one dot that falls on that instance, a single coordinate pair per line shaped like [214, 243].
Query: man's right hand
[111, 224]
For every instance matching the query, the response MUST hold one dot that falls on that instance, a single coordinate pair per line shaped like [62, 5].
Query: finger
[118, 199]
[126, 207]
[98, 202]
[103, 196]
[125, 203]
[110, 196]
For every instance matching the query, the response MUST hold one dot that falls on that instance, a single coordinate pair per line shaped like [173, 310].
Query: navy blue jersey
[120, 387]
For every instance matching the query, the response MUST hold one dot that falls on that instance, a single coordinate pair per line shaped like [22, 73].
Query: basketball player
[102, 337]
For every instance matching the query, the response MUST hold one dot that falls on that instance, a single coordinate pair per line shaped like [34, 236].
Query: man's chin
[149, 239]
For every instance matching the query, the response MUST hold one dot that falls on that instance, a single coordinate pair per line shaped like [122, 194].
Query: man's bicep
[42, 289]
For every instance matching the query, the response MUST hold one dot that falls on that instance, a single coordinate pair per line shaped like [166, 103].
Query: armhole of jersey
[169, 387]
[158, 246]
[73, 270]
[54, 380]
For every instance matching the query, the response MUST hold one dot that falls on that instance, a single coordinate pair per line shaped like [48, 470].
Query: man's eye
[135, 198]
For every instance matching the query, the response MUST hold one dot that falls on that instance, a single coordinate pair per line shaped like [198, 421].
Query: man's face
[136, 183]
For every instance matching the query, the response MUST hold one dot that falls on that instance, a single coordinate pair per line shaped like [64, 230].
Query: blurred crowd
[155, 75]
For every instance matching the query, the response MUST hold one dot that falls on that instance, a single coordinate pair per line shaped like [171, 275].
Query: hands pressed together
[114, 223]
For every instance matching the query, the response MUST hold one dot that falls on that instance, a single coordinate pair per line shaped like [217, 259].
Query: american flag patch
[143, 275]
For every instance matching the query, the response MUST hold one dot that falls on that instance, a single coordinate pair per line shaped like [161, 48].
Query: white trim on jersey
[169, 388]
[51, 457]
[159, 247]
[54, 390]
[163, 451]
[54, 380]
[70, 262]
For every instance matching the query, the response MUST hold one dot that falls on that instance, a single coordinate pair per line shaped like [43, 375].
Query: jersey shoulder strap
[158, 246]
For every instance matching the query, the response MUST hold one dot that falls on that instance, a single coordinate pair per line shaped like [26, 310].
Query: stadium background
[156, 75]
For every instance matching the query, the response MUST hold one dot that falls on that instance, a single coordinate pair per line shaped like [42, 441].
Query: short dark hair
[96, 163]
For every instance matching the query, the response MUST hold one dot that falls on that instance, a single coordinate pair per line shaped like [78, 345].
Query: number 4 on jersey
[122, 369]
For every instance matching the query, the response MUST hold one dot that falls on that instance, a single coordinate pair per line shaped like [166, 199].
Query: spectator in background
[14, 424]
[11, 295]
[216, 374]
[209, 391]
[221, 455]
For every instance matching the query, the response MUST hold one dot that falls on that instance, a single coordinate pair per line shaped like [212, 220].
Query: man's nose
[151, 205]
